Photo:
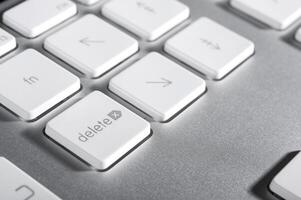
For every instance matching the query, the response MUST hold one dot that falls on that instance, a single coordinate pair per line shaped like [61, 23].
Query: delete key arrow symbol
[86, 41]
[164, 82]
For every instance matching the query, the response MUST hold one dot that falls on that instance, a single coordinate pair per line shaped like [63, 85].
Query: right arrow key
[158, 86]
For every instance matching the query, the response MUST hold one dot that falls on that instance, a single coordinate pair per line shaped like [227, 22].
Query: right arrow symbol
[86, 41]
[164, 82]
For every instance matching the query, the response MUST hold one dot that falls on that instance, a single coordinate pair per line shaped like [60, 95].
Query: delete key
[98, 130]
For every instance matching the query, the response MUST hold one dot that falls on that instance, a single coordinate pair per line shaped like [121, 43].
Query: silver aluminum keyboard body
[227, 145]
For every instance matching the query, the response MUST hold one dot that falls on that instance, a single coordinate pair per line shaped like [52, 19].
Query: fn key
[30, 84]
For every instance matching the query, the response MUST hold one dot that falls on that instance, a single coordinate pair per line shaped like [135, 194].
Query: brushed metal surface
[226, 145]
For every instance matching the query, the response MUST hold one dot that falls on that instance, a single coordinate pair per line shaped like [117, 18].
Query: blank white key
[33, 17]
[30, 84]
[100, 130]
[287, 184]
[88, 2]
[7, 42]
[158, 86]
[210, 48]
[278, 14]
[91, 45]
[17, 185]
[149, 19]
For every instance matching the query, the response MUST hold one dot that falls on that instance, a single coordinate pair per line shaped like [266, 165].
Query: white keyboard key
[298, 35]
[7, 42]
[210, 48]
[30, 84]
[17, 185]
[100, 130]
[33, 17]
[278, 14]
[88, 2]
[149, 19]
[91, 45]
[287, 184]
[158, 86]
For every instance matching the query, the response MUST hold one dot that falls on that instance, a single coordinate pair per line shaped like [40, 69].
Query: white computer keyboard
[97, 129]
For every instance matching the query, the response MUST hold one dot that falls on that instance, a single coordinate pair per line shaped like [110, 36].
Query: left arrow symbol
[86, 41]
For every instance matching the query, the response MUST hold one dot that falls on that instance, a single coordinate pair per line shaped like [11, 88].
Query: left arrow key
[91, 45]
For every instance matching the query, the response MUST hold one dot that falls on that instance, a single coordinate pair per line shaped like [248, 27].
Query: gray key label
[163, 82]
[27, 189]
[146, 7]
[99, 126]
[31, 80]
[210, 44]
[115, 114]
[89, 42]
[3, 38]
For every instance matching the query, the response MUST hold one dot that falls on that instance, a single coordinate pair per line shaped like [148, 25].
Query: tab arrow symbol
[144, 6]
[211, 44]
[86, 41]
[164, 82]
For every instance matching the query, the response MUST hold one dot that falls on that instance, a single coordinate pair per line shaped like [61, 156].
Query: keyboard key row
[147, 19]
[93, 47]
